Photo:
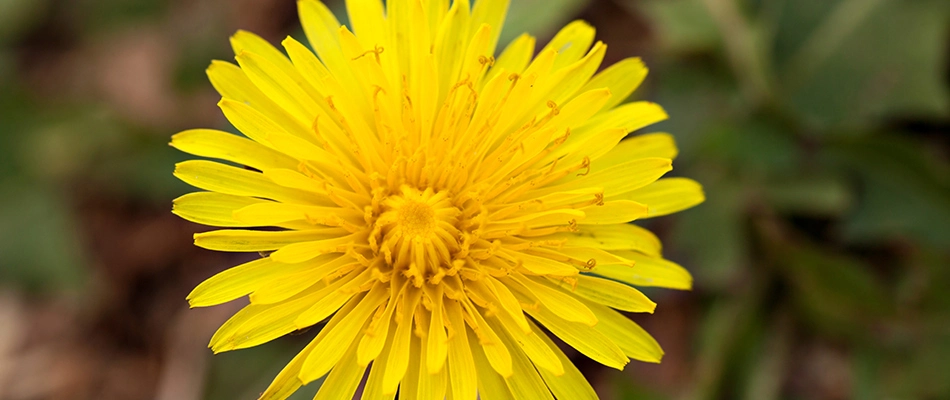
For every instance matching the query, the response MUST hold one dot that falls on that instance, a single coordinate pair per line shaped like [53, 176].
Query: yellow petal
[377, 335]
[613, 212]
[611, 237]
[648, 271]
[609, 293]
[497, 353]
[621, 78]
[333, 343]
[629, 117]
[330, 298]
[210, 208]
[635, 342]
[286, 382]
[617, 179]
[667, 196]
[491, 386]
[584, 338]
[491, 13]
[285, 286]
[543, 265]
[659, 145]
[232, 83]
[398, 361]
[243, 41]
[283, 89]
[226, 179]
[509, 302]
[565, 305]
[462, 372]
[303, 251]
[516, 56]
[570, 385]
[571, 42]
[248, 240]
[368, 20]
[437, 340]
[222, 145]
[234, 282]
[343, 379]
[524, 382]
[532, 346]
[257, 324]
[374, 383]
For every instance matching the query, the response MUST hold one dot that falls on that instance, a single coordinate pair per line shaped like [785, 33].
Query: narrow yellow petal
[491, 385]
[584, 338]
[257, 324]
[280, 87]
[243, 41]
[222, 145]
[611, 237]
[617, 179]
[491, 13]
[436, 340]
[508, 302]
[635, 342]
[532, 346]
[570, 385]
[398, 361]
[667, 196]
[343, 379]
[217, 177]
[613, 212]
[333, 343]
[542, 265]
[524, 382]
[498, 355]
[232, 83]
[234, 282]
[621, 78]
[609, 293]
[331, 298]
[648, 271]
[516, 56]
[285, 286]
[377, 336]
[571, 42]
[629, 117]
[463, 379]
[566, 306]
[659, 145]
[368, 20]
[303, 251]
[249, 240]
[286, 382]
[211, 208]
[374, 383]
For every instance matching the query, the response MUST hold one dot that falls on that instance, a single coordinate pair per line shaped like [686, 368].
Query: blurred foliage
[817, 127]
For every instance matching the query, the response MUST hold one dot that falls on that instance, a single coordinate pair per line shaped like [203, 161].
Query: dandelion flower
[438, 209]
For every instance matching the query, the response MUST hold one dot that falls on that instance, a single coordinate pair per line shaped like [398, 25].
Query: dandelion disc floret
[435, 205]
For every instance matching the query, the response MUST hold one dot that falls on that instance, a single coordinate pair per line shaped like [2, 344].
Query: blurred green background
[819, 129]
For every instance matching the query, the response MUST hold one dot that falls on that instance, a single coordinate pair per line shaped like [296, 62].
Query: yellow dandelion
[436, 206]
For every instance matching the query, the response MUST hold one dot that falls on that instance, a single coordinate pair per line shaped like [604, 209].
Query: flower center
[416, 219]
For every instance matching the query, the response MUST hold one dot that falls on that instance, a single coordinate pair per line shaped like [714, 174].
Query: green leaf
[864, 60]
[905, 194]
[683, 26]
[39, 245]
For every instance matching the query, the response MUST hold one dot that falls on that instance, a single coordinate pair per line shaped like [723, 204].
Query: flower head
[436, 206]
